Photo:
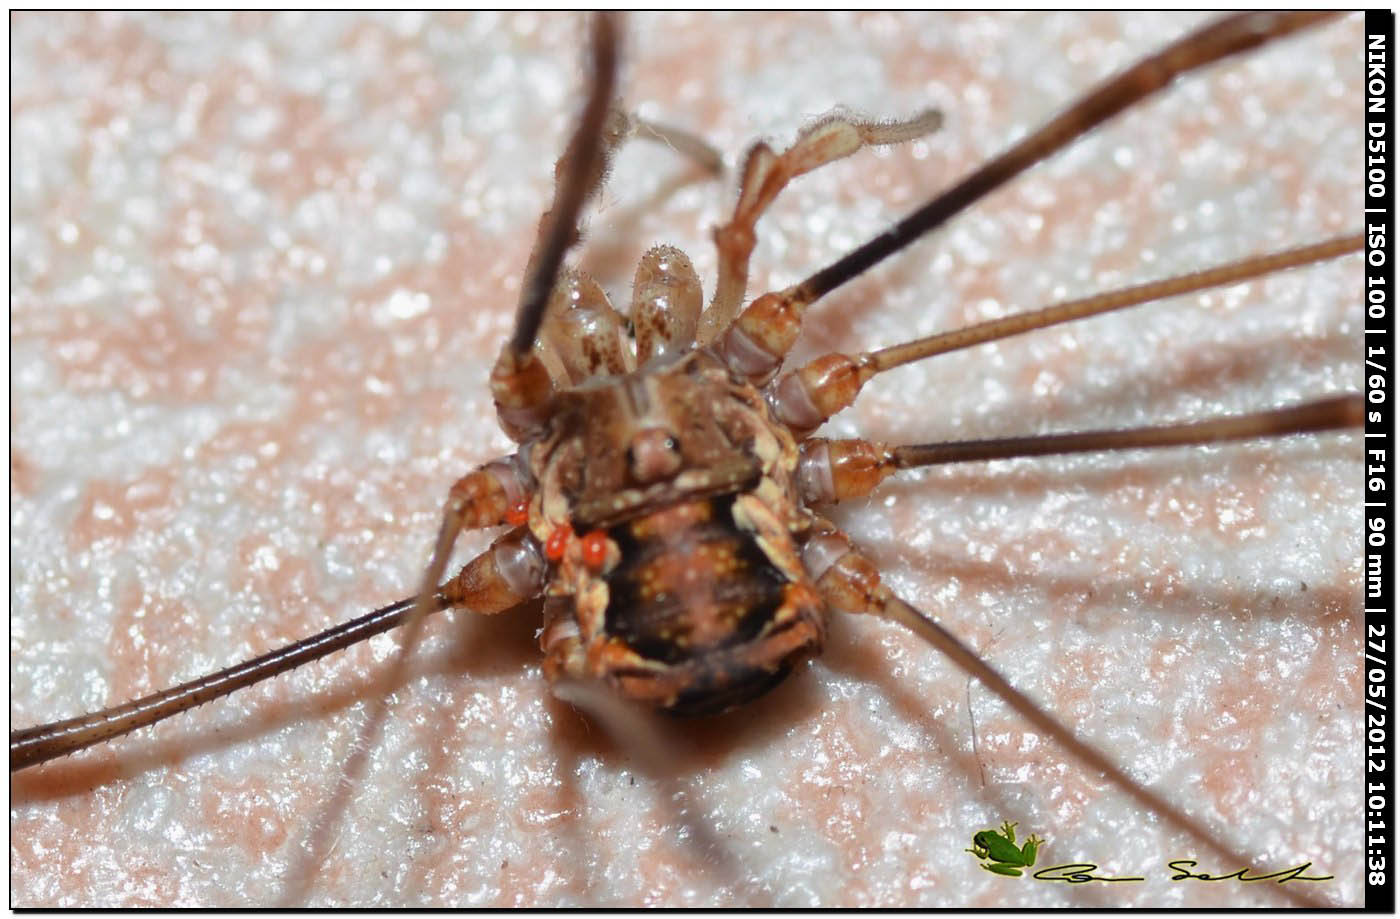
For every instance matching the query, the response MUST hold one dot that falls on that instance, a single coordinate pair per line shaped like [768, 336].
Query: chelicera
[582, 535]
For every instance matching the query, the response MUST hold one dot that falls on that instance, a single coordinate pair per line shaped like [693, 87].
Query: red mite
[558, 543]
[595, 549]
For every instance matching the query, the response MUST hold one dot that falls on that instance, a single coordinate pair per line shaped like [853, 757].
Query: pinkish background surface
[262, 263]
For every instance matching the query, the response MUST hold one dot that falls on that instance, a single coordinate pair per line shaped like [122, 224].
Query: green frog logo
[999, 852]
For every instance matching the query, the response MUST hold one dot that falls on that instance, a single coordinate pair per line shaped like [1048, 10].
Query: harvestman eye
[799, 401]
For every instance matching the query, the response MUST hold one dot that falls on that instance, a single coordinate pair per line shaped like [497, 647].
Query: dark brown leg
[519, 381]
[489, 583]
[761, 337]
[839, 470]
[805, 398]
[851, 583]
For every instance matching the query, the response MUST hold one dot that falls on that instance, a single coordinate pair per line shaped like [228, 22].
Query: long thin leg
[851, 583]
[480, 499]
[32, 746]
[765, 331]
[522, 389]
[577, 174]
[839, 470]
[805, 398]
[520, 382]
[511, 572]
[483, 586]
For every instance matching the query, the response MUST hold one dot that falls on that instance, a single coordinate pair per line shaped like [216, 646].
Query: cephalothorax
[663, 501]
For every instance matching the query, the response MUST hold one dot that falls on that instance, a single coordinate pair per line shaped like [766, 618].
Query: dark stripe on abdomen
[689, 582]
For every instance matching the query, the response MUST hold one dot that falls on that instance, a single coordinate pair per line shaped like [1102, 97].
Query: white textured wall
[261, 265]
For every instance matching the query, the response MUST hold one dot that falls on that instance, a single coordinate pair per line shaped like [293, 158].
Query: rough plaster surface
[262, 263]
